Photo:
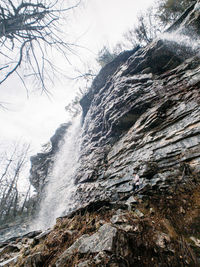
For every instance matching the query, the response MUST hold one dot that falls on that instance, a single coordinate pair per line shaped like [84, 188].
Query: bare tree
[154, 20]
[74, 108]
[105, 56]
[11, 169]
[83, 79]
[147, 28]
[170, 10]
[28, 30]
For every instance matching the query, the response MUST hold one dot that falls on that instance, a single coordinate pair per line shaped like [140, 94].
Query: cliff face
[144, 120]
[140, 116]
[141, 119]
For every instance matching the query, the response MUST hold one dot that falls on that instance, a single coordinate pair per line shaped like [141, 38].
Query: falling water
[57, 199]
[184, 35]
[191, 42]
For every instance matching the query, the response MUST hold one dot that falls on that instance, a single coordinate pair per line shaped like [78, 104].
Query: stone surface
[10, 262]
[103, 240]
[35, 260]
[144, 123]
[140, 116]
[42, 235]
[196, 241]
[162, 240]
[138, 213]
[100, 241]
[131, 200]
[118, 219]
[32, 234]
[84, 264]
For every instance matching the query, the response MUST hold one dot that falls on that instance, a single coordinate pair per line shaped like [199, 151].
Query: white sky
[35, 119]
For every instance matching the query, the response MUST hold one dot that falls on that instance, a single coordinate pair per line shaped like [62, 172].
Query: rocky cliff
[144, 120]
[141, 118]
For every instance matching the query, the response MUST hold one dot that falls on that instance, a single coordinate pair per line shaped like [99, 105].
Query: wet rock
[84, 264]
[117, 182]
[196, 241]
[103, 77]
[120, 218]
[32, 234]
[10, 262]
[141, 115]
[125, 188]
[42, 235]
[162, 240]
[9, 248]
[138, 213]
[100, 241]
[34, 260]
[163, 128]
[146, 118]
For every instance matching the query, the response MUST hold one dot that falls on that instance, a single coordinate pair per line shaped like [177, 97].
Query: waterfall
[57, 199]
[182, 39]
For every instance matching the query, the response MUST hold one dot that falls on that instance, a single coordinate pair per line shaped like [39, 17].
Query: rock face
[141, 120]
[103, 76]
[144, 120]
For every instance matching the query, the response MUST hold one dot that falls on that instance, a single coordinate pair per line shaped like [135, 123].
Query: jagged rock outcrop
[143, 120]
[141, 117]
[104, 74]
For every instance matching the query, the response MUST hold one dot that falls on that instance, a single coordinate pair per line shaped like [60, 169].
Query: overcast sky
[36, 118]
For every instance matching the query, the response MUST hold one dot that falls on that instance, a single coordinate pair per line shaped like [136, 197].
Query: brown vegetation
[164, 236]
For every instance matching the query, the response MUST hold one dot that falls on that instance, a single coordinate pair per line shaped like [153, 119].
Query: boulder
[34, 260]
[103, 240]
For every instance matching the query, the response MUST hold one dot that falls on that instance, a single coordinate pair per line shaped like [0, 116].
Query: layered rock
[140, 117]
[144, 120]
